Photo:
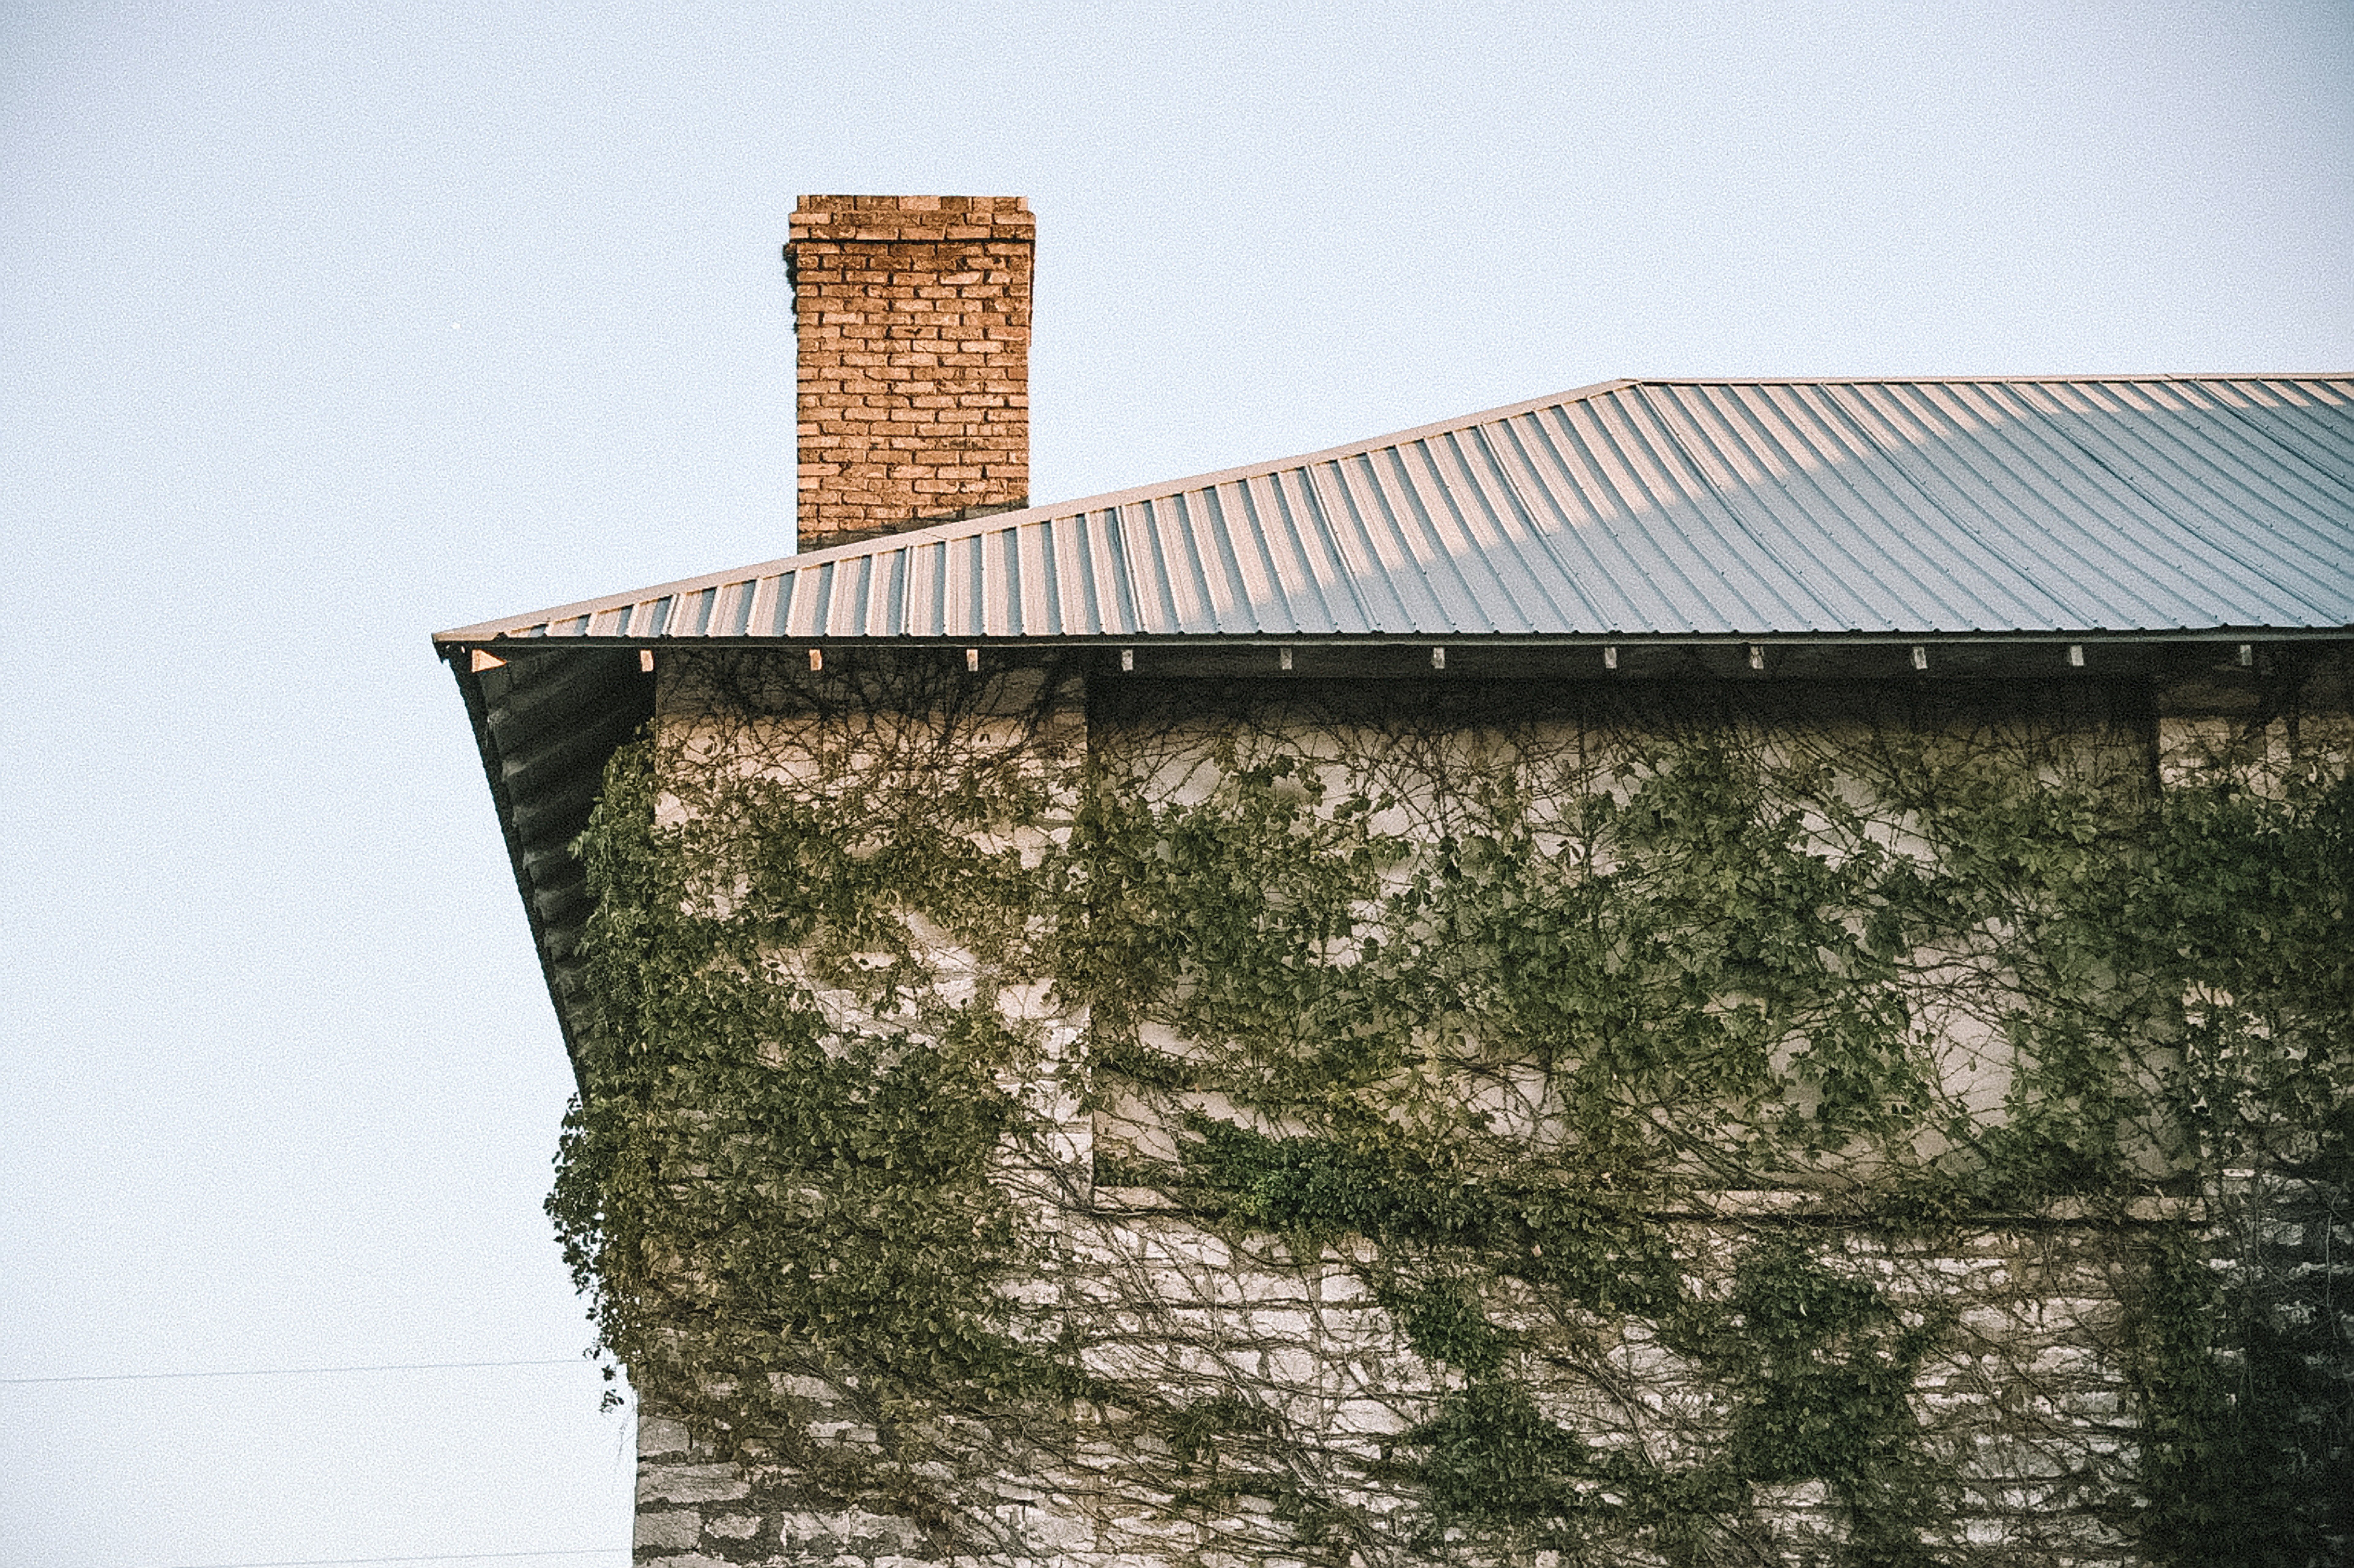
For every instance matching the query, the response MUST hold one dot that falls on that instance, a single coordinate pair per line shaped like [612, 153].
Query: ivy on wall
[1487, 998]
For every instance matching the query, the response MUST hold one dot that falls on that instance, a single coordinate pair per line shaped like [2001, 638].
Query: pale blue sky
[324, 326]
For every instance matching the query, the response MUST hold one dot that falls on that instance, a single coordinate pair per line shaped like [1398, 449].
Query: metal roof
[1638, 508]
[1819, 515]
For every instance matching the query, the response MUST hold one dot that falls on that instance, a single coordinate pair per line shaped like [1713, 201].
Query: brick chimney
[912, 318]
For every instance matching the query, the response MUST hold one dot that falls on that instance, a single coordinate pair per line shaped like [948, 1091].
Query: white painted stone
[1279, 1325]
[1366, 1415]
[1339, 1285]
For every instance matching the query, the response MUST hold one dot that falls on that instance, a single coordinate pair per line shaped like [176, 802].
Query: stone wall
[2019, 1416]
[912, 321]
[2023, 1413]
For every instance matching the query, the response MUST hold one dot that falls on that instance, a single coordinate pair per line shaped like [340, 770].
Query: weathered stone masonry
[2024, 1410]
[912, 315]
[2027, 1405]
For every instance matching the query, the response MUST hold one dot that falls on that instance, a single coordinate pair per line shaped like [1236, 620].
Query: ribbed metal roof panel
[1641, 507]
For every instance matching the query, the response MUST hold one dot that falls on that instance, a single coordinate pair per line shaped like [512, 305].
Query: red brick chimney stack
[912, 317]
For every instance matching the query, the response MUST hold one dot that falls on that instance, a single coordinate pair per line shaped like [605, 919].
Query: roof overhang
[545, 727]
[1963, 529]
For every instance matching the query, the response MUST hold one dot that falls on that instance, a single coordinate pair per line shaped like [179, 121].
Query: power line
[301, 1372]
[429, 1557]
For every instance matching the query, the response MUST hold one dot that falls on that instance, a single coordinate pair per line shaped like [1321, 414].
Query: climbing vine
[1388, 1125]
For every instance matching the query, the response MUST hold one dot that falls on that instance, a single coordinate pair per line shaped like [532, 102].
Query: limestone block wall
[2023, 1414]
[2019, 1416]
[912, 319]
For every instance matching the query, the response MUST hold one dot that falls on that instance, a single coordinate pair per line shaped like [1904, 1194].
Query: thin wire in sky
[428, 1557]
[297, 1372]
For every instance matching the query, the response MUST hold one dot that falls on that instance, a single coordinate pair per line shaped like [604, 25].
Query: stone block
[659, 1436]
[674, 1529]
[690, 1484]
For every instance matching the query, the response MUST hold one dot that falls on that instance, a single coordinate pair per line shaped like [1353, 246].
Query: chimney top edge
[905, 205]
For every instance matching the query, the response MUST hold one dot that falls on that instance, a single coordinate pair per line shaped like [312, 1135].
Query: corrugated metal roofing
[1811, 510]
[1641, 508]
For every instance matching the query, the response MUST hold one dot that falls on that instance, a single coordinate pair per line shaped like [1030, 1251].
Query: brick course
[912, 318]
